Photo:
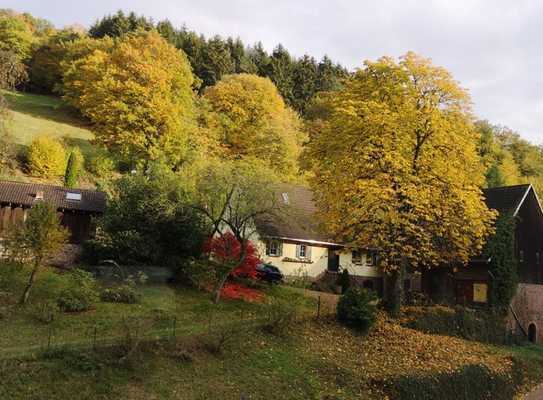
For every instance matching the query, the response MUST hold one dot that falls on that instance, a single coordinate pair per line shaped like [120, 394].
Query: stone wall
[527, 308]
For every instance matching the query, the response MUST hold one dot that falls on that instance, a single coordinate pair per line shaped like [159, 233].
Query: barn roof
[507, 198]
[299, 222]
[26, 194]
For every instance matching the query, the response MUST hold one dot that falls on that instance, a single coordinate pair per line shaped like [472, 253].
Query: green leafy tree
[12, 72]
[73, 168]
[138, 94]
[149, 220]
[15, 35]
[395, 167]
[230, 196]
[35, 240]
[45, 66]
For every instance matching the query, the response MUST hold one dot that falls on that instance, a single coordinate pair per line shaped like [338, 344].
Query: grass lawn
[318, 360]
[34, 115]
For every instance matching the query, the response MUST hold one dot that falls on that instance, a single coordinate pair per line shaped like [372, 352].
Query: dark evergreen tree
[281, 70]
[304, 82]
[119, 24]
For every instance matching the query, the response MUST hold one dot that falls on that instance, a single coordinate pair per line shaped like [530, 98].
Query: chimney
[39, 195]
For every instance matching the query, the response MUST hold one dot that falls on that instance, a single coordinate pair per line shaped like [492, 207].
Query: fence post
[319, 307]
[49, 338]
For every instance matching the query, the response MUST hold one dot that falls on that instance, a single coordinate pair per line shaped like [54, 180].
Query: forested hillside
[78, 66]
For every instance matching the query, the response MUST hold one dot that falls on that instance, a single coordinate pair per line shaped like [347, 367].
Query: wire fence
[67, 334]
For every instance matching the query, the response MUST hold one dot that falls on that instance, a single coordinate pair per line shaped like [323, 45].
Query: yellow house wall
[362, 269]
[319, 264]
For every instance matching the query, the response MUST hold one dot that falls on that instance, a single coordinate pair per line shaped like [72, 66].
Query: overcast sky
[492, 47]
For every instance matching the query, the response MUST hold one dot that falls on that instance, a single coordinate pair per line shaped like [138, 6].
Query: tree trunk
[30, 283]
[394, 290]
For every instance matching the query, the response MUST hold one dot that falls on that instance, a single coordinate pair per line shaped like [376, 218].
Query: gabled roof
[297, 221]
[506, 199]
[24, 194]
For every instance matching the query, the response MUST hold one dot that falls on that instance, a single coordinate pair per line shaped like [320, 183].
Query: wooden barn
[76, 207]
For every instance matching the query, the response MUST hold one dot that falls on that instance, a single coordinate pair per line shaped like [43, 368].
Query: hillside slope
[33, 115]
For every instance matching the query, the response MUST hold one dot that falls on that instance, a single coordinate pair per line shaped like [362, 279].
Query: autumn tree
[395, 168]
[251, 121]
[15, 35]
[138, 93]
[230, 196]
[35, 240]
[12, 72]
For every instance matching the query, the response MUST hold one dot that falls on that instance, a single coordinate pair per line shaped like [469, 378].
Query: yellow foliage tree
[395, 168]
[250, 120]
[46, 157]
[138, 92]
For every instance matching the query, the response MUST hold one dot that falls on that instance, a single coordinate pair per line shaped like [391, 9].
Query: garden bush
[472, 382]
[126, 292]
[45, 312]
[281, 315]
[480, 325]
[200, 274]
[356, 309]
[81, 293]
[46, 157]
[100, 165]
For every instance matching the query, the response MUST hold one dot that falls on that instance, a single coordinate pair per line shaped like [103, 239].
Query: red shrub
[226, 249]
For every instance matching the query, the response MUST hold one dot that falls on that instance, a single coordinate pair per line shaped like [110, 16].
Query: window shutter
[308, 252]
[267, 247]
[280, 248]
[297, 251]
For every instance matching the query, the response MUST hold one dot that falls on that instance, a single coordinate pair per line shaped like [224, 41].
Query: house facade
[469, 284]
[76, 209]
[295, 243]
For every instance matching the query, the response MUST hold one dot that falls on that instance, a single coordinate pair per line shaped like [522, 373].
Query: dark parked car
[269, 273]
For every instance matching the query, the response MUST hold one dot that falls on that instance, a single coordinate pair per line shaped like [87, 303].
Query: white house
[295, 243]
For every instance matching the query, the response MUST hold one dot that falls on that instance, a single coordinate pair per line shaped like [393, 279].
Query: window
[303, 252]
[371, 259]
[285, 197]
[356, 257]
[73, 196]
[480, 292]
[273, 248]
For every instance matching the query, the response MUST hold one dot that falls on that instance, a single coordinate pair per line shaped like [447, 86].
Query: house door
[333, 261]
[532, 333]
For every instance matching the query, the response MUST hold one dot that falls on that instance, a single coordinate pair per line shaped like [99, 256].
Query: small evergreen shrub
[73, 168]
[344, 280]
[200, 274]
[81, 293]
[356, 309]
[46, 157]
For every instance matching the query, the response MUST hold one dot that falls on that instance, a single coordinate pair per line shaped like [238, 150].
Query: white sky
[492, 47]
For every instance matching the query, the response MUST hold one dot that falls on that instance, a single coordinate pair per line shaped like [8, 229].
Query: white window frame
[358, 259]
[303, 249]
[274, 248]
[371, 259]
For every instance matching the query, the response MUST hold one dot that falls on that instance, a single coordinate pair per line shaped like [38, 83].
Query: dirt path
[536, 394]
